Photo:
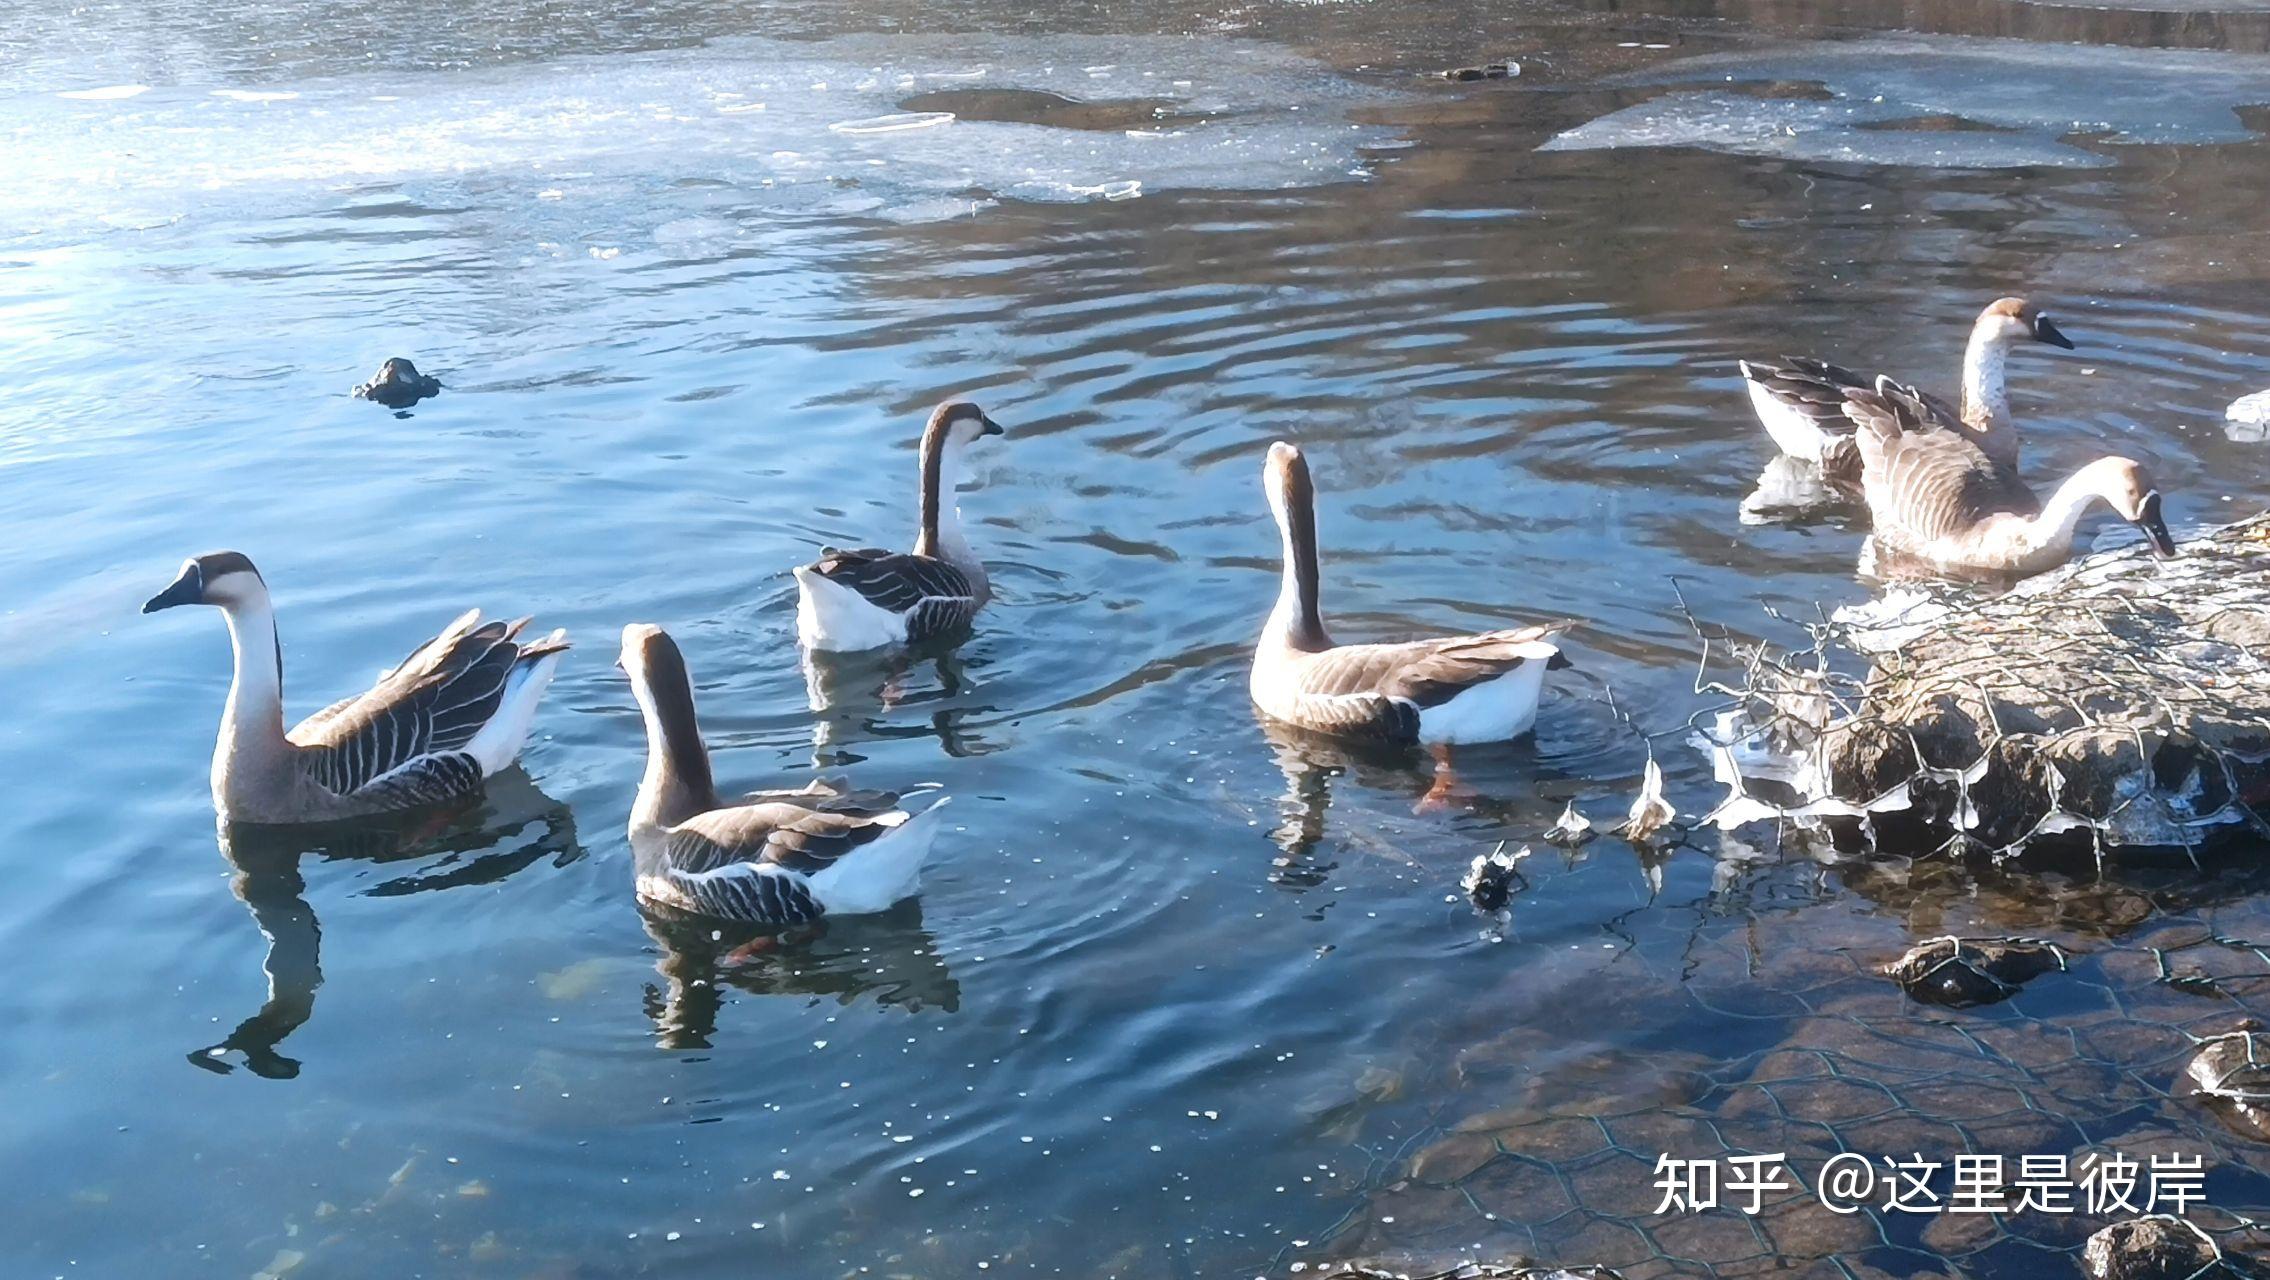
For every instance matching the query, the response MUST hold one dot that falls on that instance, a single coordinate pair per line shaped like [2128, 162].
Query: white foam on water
[2026, 98]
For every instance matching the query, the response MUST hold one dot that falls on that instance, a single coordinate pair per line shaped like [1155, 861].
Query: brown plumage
[1472, 688]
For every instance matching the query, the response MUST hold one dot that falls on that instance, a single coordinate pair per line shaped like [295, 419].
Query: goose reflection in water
[480, 840]
[1508, 775]
[887, 957]
[839, 686]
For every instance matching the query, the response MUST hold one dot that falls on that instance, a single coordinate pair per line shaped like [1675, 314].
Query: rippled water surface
[1182, 995]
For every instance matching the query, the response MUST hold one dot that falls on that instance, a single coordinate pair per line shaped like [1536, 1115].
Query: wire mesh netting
[2123, 701]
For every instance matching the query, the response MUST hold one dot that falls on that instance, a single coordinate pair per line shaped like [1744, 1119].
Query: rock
[398, 385]
[1959, 972]
[2232, 1071]
[2160, 1247]
[1487, 71]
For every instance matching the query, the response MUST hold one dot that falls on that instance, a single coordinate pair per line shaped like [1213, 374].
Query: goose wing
[1378, 690]
[933, 595]
[1925, 476]
[751, 862]
[1813, 389]
[408, 731]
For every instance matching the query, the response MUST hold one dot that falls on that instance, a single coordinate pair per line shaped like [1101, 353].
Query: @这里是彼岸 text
[2096, 1183]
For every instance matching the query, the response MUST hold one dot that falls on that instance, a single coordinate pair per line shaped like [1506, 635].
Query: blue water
[1181, 996]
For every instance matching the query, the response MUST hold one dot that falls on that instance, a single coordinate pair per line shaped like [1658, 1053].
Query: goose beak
[991, 428]
[2155, 529]
[2044, 331]
[189, 588]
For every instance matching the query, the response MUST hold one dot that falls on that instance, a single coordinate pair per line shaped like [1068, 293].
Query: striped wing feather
[750, 862]
[1926, 477]
[1378, 690]
[1813, 388]
[429, 706]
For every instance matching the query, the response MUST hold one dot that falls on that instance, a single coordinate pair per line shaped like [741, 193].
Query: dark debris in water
[1486, 71]
[1961, 972]
[398, 385]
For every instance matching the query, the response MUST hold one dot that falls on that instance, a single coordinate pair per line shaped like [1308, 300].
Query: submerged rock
[398, 385]
[2160, 1247]
[1959, 972]
[1396, 1269]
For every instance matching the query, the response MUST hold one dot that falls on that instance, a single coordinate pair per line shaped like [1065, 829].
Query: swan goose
[1801, 401]
[1935, 494]
[870, 598]
[453, 713]
[1440, 692]
[774, 858]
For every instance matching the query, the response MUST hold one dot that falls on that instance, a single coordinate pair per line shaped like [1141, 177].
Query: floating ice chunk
[2247, 421]
[1891, 621]
[255, 95]
[2019, 98]
[108, 93]
[897, 122]
[1650, 811]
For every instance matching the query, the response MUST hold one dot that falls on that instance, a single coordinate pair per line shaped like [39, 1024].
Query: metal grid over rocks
[2122, 701]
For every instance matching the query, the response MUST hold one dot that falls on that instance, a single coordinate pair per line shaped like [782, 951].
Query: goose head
[958, 422]
[647, 650]
[2011, 320]
[223, 579]
[2125, 487]
[1285, 479]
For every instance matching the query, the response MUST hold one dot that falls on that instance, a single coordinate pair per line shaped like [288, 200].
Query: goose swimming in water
[1936, 496]
[1441, 692]
[775, 858]
[453, 713]
[869, 598]
[1801, 401]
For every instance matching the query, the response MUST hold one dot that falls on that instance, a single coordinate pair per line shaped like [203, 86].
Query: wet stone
[1961, 972]
[2158, 1248]
[2231, 1072]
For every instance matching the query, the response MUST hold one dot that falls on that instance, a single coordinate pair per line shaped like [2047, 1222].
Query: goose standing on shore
[1936, 496]
[869, 598]
[775, 858]
[1440, 693]
[1801, 401]
[455, 712]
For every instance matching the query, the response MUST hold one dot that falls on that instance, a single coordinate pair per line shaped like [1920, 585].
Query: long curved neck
[677, 783]
[2061, 515]
[1295, 621]
[252, 724]
[1986, 398]
[940, 534]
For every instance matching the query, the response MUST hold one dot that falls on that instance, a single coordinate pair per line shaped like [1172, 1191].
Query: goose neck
[252, 723]
[1296, 621]
[677, 783]
[1986, 399]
